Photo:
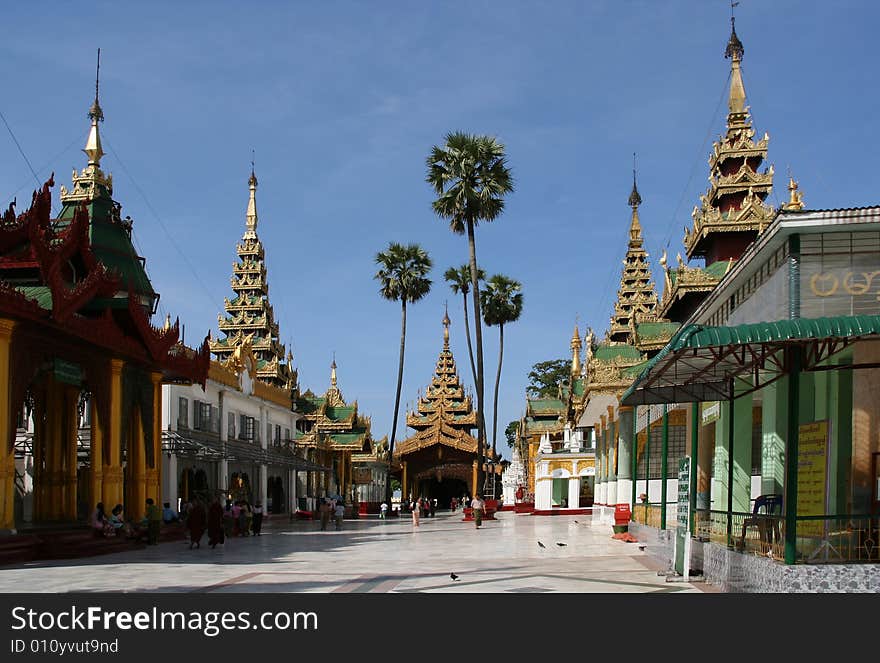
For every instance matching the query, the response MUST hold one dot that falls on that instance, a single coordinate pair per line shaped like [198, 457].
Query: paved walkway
[371, 555]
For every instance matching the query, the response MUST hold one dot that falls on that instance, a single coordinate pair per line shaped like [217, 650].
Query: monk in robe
[215, 523]
[196, 523]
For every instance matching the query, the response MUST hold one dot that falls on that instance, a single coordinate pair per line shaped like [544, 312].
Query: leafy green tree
[459, 280]
[502, 303]
[470, 176]
[510, 432]
[545, 376]
[403, 276]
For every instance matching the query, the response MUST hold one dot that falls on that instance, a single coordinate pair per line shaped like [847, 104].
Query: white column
[223, 472]
[169, 480]
[292, 492]
[574, 492]
[544, 495]
[611, 492]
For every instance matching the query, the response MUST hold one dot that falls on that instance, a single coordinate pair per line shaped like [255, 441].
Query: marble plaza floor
[371, 555]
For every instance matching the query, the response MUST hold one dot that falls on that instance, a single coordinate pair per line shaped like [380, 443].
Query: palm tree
[403, 272]
[470, 176]
[502, 303]
[459, 280]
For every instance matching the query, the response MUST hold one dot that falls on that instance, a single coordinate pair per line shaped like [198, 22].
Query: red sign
[621, 514]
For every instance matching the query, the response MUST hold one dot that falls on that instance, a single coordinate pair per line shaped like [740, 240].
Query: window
[286, 434]
[268, 432]
[230, 424]
[256, 429]
[277, 434]
[183, 412]
[243, 432]
[197, 415]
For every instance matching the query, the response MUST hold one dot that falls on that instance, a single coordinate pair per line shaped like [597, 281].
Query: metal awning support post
[663, 462]
[648, 460]
[730, 434]
[791, 453]
[695, 437]
[635, 459]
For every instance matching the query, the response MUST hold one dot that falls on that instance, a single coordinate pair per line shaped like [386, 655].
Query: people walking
[196, 522]
[154, 520]
[215, 523]
[415, 512]
[340, 514]
[324, 511]
[383, 510]
[478, 505]
[257, 522]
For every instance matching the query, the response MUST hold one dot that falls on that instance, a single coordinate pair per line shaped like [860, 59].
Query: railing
[650, 514]
[825, 539]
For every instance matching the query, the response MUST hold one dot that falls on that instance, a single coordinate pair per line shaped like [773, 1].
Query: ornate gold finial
[446, 322]
[737, 101]
[167, 325]
[795, 201]
[251, 232]
[576, 351]
[333, 371]
[634, 198]
[93, 147]
[662, 260]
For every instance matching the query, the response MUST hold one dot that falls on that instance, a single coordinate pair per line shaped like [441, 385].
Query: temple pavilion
[81, 364]
[333, 433]
[439, 460]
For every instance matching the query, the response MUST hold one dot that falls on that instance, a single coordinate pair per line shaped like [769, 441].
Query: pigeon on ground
[541, 545]
[453, 576]
[561, 544]
[575, 522]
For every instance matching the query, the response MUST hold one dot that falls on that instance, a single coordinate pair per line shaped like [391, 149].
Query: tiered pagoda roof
[79, 279]
[636, 296]
[249, 316]
[329, 422]
[732, 213]
[444, 415]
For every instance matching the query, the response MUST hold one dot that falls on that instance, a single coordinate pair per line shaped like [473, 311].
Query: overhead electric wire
[162, 224]
[667, 237]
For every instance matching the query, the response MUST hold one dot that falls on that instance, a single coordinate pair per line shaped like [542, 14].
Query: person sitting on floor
[168, 515]
[99, 523]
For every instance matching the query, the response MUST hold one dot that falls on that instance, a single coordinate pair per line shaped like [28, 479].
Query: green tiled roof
[113, 247]
[346, 438]
[545, 405]
[717, 269]
[542, 425]
[656, 329]
[39, 293]
[622, 351]
[338, 413]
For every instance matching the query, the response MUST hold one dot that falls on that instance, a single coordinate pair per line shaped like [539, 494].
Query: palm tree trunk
[467, 333]
[497, 382]
[478, 335]
[397, 397]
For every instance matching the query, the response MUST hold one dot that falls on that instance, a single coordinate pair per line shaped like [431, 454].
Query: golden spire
[167, 322]
[333, 372]
[737, 101]
[635, 228]
[576, 352]
[251, 232]
[796, 200]
[93, 147]
[446, 322]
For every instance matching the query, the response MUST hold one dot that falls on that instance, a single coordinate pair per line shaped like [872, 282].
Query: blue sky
[342, 102]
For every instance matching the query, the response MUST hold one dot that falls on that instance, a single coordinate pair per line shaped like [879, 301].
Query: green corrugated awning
[700, 362]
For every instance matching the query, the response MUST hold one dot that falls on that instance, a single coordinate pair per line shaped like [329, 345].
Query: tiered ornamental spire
[249, 317]
[443, 415]
[732, 213]
[636, 297]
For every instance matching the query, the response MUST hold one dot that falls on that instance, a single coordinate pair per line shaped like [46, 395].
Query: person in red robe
[215, 523]
[196, 523]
